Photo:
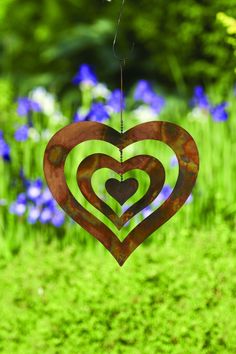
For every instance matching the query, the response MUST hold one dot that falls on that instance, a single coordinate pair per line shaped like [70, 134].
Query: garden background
[61, 291]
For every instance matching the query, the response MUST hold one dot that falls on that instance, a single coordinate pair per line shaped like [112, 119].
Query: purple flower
[79, 117]
[34, 189]
[115, 102]
[145, 93]
[21, 198]
[85, 75]
[46, 216]
[4, 148]
[46, 196]
[19, 206]
[58, 218]
[22, 133]
[26, 105]
[97, 113]
[157, 103]
[219, 113]
[34, 214]
[38, 203]
[200, 99]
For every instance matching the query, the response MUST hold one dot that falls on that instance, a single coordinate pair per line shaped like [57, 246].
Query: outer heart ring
[67, 138]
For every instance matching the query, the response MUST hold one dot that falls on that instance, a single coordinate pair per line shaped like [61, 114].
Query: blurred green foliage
[230, 24]
[173, 297]
[179, 44]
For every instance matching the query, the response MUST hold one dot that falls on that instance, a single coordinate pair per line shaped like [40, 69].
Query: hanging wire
[122, 62]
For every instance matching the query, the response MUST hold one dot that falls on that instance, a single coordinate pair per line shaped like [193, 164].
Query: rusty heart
[121, 191]
[67, 138]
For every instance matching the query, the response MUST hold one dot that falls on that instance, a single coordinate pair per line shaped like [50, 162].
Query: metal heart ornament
[60, 145]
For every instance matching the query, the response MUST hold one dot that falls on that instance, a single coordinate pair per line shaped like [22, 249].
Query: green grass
[172, 296]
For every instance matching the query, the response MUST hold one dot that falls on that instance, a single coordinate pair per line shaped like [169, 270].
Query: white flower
[47, 103]
[58, 117]
[46, 134]
[198, 114]
[33, 134]
[45, 99]
[145, 113]
[100, 91]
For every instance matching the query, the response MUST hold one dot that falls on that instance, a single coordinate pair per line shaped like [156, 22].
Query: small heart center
[121, 191]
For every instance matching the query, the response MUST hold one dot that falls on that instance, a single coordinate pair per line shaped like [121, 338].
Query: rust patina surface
[121, 191]
[67, 138]
[150, 165]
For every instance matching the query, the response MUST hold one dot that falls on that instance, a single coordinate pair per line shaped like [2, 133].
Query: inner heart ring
[67, 138]
[149, 164]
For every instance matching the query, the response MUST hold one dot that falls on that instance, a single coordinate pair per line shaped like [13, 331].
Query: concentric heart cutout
[67, 138]
[149, 164]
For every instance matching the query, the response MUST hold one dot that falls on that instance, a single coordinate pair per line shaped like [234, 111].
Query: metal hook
[121, 60]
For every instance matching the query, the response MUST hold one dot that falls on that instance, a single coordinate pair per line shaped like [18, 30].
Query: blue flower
[34, 189]
[21, 198]
[4, 148]
[22, 133]
[145, 93]
[46, 216]
[97, 113]
[26, 105]
[58, 218]
[115, 102]
[78, 117]
[157, 103]
[85, 75]
[46, 196]
[19, 206]
[200, 99]
[39, 204]
[33, 215]
[219, 113]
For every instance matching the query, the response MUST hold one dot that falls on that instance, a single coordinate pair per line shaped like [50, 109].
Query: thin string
[122, 62]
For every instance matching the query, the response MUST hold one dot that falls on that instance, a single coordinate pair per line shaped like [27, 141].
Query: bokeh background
[61, 291]
[180, 44]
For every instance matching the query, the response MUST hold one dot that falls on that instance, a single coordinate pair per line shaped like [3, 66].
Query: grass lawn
[174, 295]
